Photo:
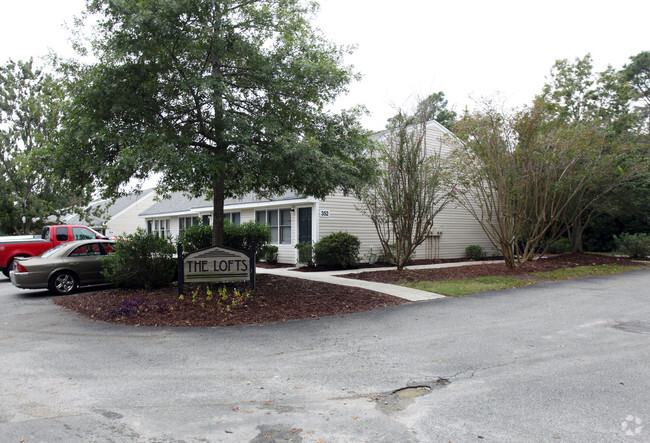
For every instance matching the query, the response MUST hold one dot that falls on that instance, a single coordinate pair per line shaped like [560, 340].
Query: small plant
[305, 254]
[209, 294]
[269, 254]
[224, 298]
[634, 245]
[128, 308]
[475, 252]
[337, 250]
[137, 306]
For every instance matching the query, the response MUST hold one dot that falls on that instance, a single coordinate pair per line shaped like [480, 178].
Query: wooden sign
[217, 264]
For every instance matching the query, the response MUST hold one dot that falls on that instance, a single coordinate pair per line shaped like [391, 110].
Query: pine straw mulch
[281, 298]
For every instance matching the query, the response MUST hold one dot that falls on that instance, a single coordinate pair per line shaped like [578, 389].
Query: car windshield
[49, 252]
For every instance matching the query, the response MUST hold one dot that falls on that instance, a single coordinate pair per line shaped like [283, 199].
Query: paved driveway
[566, 361]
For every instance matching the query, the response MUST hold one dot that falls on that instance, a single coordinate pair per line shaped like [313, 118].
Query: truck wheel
[63, 283]
[10, 265]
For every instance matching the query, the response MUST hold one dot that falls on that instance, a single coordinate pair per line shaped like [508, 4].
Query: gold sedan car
[63, 268]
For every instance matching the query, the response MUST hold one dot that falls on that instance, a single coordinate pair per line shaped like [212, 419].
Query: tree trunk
[217, 211]
[508, 251]
[575, 236]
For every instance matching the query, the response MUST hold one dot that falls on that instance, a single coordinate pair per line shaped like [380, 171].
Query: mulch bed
[276, 299]
[496, 269]
[280, 298]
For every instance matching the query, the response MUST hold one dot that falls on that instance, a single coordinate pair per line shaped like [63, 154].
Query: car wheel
[63, 283]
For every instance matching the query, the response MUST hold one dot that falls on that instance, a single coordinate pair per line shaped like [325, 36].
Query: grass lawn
[457, 288]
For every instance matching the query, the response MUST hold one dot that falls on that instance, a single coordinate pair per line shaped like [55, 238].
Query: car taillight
[20, 268]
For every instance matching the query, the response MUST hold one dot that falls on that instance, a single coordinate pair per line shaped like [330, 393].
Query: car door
[84, 261]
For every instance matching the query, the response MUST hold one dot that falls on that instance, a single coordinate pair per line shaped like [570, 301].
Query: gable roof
[430, 124]
[120, 205]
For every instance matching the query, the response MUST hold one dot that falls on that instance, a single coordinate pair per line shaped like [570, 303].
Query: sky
[407, 49]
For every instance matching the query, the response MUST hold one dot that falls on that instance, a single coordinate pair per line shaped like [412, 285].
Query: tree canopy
[30, 111]
[578, 96]
[637, 73]
[222, 97]
[576, 93]
[432, 107]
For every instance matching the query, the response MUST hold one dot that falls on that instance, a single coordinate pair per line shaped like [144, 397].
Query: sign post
[179, 255]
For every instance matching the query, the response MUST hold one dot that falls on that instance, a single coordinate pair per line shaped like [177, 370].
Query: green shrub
[140, 260]
[195, 237]
[305, 254]
[240, 237]
[269, 254]
[634, 245]
[475, 252]
[560, 246]
[337, 250]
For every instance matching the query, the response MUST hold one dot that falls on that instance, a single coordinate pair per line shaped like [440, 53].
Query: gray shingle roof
[179, 202]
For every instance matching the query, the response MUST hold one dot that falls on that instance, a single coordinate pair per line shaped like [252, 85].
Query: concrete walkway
[335, 277]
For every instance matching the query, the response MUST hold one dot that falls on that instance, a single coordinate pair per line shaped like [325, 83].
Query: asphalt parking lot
[565, 361]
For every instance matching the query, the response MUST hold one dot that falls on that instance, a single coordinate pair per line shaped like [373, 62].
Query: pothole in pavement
[402, 398]
[412, 391]
[636, 327]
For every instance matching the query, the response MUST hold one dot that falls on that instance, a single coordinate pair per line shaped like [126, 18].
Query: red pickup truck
[50, 237]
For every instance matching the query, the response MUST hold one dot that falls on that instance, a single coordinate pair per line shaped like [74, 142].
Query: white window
[186, 222]
[280, 222]
[162, 227]
[233, 217]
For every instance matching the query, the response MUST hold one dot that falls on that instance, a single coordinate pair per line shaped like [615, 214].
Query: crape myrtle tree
[221, 97]
[520, 174]
[410, 190]
[31, 101]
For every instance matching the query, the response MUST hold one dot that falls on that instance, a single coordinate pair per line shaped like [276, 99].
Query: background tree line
[573, 164]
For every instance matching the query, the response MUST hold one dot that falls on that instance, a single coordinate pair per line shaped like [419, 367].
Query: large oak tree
[221, 97]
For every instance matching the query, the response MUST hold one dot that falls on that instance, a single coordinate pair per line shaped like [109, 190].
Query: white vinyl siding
[344, 216]
[459, 230]
[128, 221]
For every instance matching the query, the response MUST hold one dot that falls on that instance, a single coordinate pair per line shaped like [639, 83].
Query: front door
[304, 225]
